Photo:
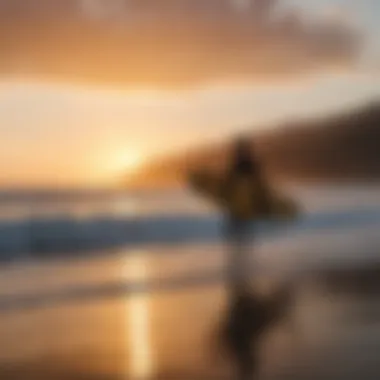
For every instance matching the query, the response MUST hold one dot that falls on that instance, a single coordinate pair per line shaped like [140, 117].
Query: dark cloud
[168, 42]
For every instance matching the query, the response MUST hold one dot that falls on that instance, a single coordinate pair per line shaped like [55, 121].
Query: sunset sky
[90, 90]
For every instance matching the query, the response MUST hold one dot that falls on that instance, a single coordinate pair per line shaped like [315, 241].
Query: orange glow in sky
[92, 90]
[60, 135]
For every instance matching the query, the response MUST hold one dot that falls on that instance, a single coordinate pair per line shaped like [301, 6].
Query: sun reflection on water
[140, 361]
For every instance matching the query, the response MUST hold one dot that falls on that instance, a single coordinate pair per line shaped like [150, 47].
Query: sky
[91, 90]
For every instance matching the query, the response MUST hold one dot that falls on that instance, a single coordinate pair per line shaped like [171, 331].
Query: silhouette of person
[245, 190]
[246, 194]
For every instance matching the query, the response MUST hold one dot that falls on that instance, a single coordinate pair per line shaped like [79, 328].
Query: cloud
[170, 42]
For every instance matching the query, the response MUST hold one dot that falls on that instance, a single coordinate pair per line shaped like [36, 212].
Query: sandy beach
[83, 319]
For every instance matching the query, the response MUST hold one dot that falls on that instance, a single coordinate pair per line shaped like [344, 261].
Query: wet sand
[169, 334]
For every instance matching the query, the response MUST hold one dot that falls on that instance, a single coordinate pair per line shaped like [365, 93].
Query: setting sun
[124, 163]
[117, 164]
[127, 161]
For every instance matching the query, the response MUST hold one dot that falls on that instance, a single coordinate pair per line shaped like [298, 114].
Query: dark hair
[244, 159]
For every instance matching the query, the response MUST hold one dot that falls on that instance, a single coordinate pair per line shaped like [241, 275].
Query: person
[244, 196]
[246, 193]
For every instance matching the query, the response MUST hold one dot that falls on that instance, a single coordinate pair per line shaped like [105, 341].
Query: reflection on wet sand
[168, 335]
[249, 316]
[138, 329]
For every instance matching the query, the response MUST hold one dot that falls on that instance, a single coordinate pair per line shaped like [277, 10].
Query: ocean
[334, 221]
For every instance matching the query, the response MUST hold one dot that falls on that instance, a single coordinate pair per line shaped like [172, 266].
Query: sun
[117, 164]
[126, 162]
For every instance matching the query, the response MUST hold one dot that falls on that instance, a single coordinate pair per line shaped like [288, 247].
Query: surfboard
[246, 202]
